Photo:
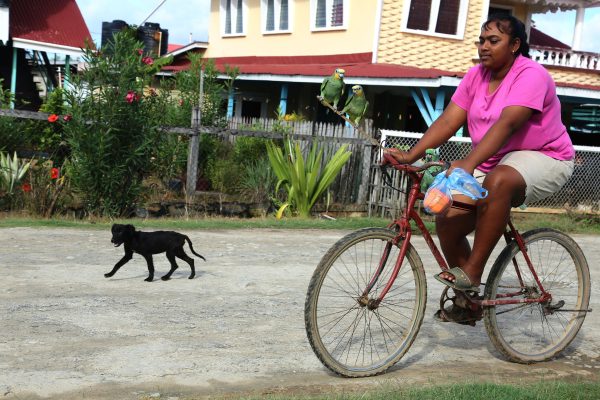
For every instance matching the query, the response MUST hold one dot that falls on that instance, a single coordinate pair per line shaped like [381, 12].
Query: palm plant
[304, 180]
[11, 171]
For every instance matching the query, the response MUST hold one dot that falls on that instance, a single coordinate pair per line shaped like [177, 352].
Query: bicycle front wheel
[533, 332]
[352, 334]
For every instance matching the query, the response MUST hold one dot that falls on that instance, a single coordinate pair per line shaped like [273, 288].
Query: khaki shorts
[543, 175]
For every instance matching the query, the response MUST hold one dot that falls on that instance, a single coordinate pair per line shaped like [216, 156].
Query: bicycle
[366, 299]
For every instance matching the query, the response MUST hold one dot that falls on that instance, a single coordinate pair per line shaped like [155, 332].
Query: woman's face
[496, 49]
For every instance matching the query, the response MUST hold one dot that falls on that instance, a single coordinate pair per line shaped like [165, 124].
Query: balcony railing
[565, 58]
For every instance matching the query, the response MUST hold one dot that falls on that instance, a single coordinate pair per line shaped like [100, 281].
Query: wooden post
[194, 146]
[363, 188]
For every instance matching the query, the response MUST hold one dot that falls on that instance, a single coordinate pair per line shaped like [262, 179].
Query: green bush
[114, 127]
[259, 181]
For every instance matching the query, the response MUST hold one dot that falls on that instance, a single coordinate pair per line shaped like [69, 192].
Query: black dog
[148, 243]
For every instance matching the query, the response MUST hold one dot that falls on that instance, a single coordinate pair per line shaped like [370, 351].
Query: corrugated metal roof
[56, 22]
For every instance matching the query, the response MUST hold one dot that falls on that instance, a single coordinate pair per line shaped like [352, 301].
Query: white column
[4, 18]
[528, 25]
[576, 46]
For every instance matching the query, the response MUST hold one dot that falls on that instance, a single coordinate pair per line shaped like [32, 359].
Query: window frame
[234, 13]
[277, 5]
[509, 8]
[328, 7]
[435, 8]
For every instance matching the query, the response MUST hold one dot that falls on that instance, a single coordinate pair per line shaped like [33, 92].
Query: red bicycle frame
[404, 233]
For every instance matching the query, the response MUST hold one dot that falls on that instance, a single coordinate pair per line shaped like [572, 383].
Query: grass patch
[203, 223]
[568, 223]
[467, 391]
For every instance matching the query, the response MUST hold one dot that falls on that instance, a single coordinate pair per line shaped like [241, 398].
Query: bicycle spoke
[353, 328]
[535, 331]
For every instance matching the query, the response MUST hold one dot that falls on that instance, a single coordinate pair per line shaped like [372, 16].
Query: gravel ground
[67, 332]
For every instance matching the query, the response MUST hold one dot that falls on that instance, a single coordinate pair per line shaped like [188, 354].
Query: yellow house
[291, 27]
[409, 55]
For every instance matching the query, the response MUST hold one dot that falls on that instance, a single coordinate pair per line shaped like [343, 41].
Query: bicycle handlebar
[414, 168]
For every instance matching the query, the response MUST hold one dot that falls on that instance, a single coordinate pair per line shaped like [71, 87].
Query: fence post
[363, 188]
[194, 146]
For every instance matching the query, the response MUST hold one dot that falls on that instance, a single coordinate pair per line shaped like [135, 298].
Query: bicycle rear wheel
[350, 335]
[528, 333]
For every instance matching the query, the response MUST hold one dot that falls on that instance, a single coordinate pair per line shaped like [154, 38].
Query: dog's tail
[192, 248]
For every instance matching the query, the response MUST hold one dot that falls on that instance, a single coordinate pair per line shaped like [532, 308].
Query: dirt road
[66, 332]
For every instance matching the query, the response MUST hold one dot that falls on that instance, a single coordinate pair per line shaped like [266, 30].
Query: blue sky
[180, 17]
[185, 17]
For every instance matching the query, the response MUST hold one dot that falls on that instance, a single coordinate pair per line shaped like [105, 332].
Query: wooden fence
[350, 187]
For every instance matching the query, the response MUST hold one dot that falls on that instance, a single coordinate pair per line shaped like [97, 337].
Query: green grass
[201, 223]
[568, 223]
[468, 391]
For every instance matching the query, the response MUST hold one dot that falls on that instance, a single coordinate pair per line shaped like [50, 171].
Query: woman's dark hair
[512, 26]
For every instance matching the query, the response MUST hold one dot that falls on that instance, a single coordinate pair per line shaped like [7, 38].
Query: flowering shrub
[43, 190]
[114, 126]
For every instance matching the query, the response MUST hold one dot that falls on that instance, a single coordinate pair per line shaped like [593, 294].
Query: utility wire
[157, 7]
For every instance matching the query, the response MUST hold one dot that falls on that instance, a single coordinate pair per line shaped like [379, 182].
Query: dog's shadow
[176, 276]
[184, 275]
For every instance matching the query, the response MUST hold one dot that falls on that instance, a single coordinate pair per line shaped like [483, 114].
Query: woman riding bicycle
[521, 152]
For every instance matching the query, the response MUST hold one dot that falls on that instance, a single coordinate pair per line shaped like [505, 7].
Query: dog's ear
[130, 229]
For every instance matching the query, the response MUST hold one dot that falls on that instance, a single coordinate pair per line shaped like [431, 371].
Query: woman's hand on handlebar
[400, 156]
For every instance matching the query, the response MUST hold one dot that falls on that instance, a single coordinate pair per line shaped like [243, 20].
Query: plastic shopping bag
[438, 198]
[466, 184]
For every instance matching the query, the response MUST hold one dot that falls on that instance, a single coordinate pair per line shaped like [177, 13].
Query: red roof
[173, 47]
[57, 22]
[539, 38]
[356, 65]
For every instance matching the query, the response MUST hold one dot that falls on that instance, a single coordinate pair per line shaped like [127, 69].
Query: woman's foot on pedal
[457, 279]
[459, 315]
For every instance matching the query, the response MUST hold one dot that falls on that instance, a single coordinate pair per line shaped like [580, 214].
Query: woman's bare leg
[452, 230]
[506, 188]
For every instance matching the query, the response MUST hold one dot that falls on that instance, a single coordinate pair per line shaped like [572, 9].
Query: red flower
[148, 60]
[132, 96]
[54, 173]
[26, 187]
[53, 118]
[67, 117]
[140, 51]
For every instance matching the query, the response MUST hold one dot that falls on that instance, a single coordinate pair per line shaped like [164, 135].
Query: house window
[499, 10]
[276, 15]
[444, 18]
[329, 14]
[233, 17]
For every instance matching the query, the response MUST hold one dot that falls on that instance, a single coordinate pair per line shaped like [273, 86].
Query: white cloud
[561, 26]
[591, 31]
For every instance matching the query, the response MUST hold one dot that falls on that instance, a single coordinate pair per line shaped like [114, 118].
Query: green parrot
[332, 88]
[356, 105]
[430, 174]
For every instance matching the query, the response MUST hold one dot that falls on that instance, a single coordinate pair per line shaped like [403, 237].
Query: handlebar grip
[390, 159]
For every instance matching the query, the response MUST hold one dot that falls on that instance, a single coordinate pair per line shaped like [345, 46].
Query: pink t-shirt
[527, 84]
